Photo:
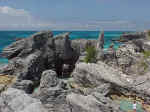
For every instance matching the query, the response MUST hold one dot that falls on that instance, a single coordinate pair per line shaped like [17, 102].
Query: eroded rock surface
[42, 60]
[14, 100]
[29, 57]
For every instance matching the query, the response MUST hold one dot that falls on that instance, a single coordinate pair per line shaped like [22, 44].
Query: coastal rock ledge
[45, 74]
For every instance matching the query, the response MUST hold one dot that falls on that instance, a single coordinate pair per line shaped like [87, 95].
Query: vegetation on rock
[91, 54]
[148, 32]
[146, 54]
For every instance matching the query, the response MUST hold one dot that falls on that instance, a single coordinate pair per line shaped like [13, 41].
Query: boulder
[90, 103]
[48, 79]
[14, 100]
[97, 74]
[52, 92]
[26, 85]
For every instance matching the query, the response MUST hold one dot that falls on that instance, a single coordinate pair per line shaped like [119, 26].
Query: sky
[74, 14]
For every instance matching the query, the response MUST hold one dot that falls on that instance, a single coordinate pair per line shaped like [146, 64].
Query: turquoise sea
[7, 37]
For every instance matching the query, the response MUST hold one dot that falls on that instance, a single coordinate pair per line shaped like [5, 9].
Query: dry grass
[6, 79]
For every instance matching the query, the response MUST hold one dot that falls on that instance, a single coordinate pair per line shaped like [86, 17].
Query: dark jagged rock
[29, 57]
[83, 43]
[131, 36]
[25, 85]
[139, 45]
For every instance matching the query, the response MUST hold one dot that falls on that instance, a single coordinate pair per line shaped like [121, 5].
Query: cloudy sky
[74, 14]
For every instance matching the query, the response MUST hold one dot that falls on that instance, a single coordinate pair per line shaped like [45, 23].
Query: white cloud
[13, 12]
[11, 17]
[20, 19]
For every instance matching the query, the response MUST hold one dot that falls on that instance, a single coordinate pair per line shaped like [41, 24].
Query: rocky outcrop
[131, 36]
[97, 74]
[29, 57]
[39, 63]
[91, 103]
[48, 79]
[100, 43]
[110, 57]
[129, 58]
[26, 85]
[52, 92]
[14, 100]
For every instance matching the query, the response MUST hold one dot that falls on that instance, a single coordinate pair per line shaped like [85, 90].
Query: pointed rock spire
[100, 43]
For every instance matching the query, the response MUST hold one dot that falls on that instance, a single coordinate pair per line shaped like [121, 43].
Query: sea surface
[7, 37]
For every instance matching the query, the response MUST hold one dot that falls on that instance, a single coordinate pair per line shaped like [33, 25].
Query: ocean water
[7, 37]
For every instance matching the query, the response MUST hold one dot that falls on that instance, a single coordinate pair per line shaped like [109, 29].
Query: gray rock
[110, 56]
[131, 36]
[29, 57]
[2, 87]
[26, 85]
[100, 43]
[54, 99]
[14, 100]
[80, 103]
[95, 74]
[48, 79]
[52, 92]
[83, 43]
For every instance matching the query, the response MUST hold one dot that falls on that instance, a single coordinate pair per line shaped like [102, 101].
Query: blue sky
[74, 14]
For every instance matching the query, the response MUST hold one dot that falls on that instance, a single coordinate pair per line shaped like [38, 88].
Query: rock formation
[41, 64]
[131, 36]
[14, 100]
[29, 57]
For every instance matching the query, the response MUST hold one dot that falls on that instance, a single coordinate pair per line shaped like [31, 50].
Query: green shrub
[146, 54]
[148, 33]
[91, 54]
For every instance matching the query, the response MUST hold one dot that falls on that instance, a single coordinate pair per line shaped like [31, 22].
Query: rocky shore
[48, 73]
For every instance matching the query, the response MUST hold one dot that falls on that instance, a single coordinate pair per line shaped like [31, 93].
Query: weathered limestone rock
[97, 74]
[100, 43]
[131, 36]
[83, 43]
[14, 100]
[29, 57]
[51, 93]
[90, 103]
[48, 79]
[26, 85]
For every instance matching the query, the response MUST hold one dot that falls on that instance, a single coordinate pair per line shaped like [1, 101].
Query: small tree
[91, 54]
